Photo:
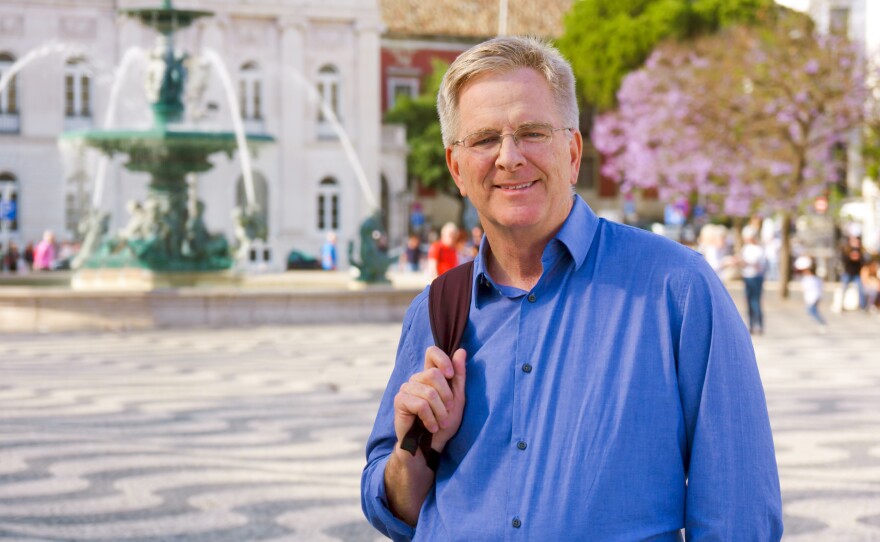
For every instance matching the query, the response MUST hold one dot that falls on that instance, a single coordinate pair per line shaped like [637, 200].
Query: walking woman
[752, 262]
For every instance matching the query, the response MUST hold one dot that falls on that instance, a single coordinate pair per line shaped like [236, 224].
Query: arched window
[8, 202]
[250, 92]
[328, 205]
[329, 86]
[9, 121]
[77, 88]
[261, 195]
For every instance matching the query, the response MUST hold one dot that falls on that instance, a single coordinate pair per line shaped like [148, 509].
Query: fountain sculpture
[165, 233]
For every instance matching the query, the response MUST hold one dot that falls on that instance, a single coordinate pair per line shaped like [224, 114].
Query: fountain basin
[301, 297]
[163, 146]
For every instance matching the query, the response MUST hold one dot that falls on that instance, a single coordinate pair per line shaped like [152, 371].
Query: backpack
[449, 302]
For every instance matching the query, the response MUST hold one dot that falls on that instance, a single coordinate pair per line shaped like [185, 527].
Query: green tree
[871, 147]
[427, 156]
[606, 39]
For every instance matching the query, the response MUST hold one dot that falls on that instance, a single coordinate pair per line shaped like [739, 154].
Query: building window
[328, 205]
[838, 23]
[250, 92]
[329, 87]
[77, 89]
[261, 196]
[589, 172]
[9, 204]
[9, 118]
[401, 86]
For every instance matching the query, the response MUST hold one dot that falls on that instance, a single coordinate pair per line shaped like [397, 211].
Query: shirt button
[521, 445]
[526, 368]
[516, 523]
[532, 298]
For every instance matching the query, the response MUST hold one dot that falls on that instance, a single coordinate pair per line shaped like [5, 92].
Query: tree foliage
[426, 161]
[871, 148]
[606, 39]
[750, 119]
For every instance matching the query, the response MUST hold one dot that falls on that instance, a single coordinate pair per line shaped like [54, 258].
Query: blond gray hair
[501, 55]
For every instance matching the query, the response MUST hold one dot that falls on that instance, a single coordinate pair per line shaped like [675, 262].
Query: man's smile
[516, 187]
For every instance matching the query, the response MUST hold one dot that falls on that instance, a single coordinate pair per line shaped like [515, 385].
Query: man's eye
[485, 140]
[532, 135]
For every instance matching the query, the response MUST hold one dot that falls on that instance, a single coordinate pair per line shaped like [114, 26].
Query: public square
[244, 434]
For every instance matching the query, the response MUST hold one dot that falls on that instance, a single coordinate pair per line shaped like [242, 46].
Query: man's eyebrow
[530, 124]
[533, 124]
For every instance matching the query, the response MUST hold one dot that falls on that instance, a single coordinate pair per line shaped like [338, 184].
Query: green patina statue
[374, 261]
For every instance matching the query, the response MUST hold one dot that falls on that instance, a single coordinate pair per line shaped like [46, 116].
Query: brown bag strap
[449, 303]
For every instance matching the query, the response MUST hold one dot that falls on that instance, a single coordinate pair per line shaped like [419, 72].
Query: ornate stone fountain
[165, 234]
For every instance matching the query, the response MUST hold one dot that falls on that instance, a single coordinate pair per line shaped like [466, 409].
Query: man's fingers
[435, 357]
[459, 359]
[409, 404]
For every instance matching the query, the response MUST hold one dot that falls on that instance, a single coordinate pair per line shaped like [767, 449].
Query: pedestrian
[813, 288]
[44, 252]
[472, 244]
[870, 276]
[11, 257]
[328, 252]
[413, 254]
[753, 264]
[852, 258]
[29, 255]
[443, 254]
[606, 387]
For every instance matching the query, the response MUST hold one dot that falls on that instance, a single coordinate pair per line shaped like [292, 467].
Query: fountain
[165, 242]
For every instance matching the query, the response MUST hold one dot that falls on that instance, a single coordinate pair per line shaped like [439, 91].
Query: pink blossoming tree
[747, 120]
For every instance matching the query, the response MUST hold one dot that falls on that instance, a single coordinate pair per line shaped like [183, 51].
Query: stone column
[369, 122]
[291, 137]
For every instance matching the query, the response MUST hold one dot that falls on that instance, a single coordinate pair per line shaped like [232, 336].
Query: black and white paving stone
[257, 434]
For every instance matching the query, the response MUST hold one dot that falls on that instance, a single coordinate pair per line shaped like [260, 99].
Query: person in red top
[442, 256]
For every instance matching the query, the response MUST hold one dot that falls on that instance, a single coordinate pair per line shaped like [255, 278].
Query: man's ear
[576, 149]
[452, 164]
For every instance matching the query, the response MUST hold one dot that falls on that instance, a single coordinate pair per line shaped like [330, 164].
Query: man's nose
[510, 155]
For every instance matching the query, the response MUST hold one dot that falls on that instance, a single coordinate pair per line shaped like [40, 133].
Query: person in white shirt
[813, 287]
[753, 264]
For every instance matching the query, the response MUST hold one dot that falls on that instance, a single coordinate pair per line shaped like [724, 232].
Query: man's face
[519, 188]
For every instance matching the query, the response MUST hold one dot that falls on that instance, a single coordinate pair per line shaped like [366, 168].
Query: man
[606, 388]
[442, 254]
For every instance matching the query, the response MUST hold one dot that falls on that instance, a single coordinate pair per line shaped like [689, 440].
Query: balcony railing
[254, 126]
[78, 122]
[326, 130]
[10, 123]
[393, 136]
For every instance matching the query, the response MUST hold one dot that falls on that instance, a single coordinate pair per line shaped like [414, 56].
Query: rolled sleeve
[382, 440]
[375, 503]
[733, 483]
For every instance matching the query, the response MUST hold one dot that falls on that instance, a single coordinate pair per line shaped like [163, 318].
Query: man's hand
[436, 395]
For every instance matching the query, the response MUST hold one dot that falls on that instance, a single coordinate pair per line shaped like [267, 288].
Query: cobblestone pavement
[257, 434]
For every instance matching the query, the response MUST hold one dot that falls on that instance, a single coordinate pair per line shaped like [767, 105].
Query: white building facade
[283, 57]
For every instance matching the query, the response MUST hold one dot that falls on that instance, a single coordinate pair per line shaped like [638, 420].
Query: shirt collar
[576, 235]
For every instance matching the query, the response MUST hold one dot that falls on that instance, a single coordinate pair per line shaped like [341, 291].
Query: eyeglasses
[527, 137]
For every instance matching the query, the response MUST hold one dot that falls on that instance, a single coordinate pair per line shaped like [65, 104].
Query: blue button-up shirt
[618, 400]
